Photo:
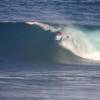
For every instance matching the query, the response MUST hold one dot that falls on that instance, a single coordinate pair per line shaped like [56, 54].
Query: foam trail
[46, 27]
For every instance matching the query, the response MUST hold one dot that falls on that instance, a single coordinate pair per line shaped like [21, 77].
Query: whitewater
[75, 39]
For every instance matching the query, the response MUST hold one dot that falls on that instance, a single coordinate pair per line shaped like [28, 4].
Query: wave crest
[46, 27]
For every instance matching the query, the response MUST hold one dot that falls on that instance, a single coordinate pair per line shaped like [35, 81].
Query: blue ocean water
[35, 64]
[56, 11]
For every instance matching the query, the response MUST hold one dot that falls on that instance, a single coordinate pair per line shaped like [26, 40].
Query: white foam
[46, 27]
[77, 42]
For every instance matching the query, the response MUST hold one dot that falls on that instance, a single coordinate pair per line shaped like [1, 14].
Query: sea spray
[78, 43]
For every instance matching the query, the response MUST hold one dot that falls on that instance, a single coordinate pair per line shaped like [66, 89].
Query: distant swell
[35, 42]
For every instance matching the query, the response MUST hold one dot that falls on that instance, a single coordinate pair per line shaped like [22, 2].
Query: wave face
[35, 42]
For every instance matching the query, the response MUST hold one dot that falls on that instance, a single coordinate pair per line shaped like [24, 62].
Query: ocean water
[49, 50]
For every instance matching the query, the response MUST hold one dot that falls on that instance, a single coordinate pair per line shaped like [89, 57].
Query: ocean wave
[75, 40]
[39, 41]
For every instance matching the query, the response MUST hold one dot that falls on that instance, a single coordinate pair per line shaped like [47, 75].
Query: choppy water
[50, 82]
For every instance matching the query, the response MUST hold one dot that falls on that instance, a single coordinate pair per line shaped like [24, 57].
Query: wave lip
[46, 27]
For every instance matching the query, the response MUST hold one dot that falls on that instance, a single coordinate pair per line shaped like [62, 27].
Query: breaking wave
[76, 40]
[41, 42]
